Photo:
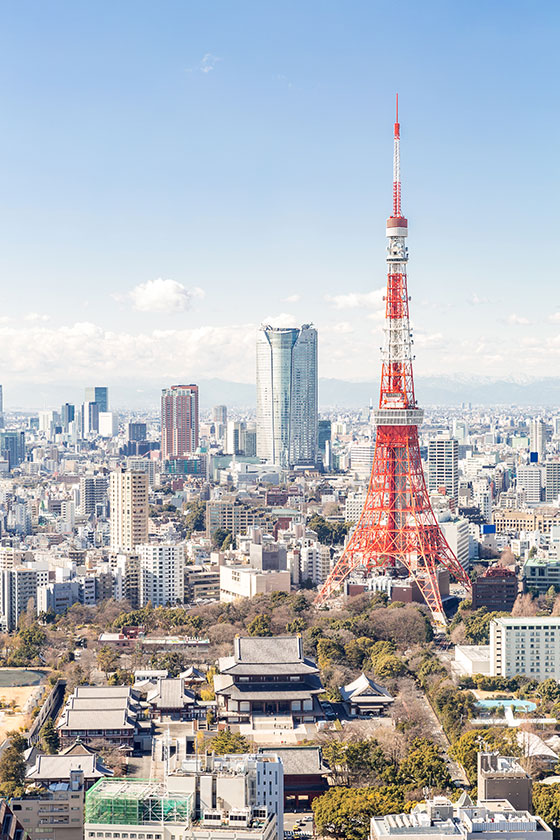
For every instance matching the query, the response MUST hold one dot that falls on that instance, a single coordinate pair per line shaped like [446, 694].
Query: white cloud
[35, 316]
[282, 320]
[554, 318]
[476, 300]
[517, 320]
[161, 295]
[427, 339]
[209, 62]
[353, 300]
[343, 327]
[291, 299]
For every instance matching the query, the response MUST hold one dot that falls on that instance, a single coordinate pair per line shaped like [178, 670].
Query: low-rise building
[53, 812]
[171, 699]
[440, 819]
[502, 777]
[305, 775]
[496, 589]
[540, 573]
[239, 581]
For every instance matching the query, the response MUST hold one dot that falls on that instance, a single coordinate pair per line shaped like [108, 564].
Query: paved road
[455, 769]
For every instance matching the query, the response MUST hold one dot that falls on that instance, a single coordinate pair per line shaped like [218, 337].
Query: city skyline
[151, 240]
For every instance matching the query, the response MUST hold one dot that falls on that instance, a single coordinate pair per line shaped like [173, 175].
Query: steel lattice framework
[397, 524]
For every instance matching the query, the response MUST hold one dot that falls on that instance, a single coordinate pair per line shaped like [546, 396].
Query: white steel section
[397, 161]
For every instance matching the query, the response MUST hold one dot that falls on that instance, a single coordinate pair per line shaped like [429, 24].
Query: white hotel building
[528, 646]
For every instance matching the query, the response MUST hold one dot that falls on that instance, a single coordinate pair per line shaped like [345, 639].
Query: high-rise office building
[90, 418]
[162, 574]
[552, 481]
[1, 408]
[67, 414]
[17, 587]
[538, 437]
[12, 447]
[93, 494]
[287, 395]
[235, 437]
[128, 496]
[219, 414]
[99, 395]
[529, 478]
[137, 431]
[443, 466]
[179, 421]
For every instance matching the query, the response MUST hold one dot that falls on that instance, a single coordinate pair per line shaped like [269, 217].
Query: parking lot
[299, 825]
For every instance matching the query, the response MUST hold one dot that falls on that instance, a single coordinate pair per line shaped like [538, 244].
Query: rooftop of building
[527, 622]
[493, 762]
[278, 654]
[541, 561]
[300, 761]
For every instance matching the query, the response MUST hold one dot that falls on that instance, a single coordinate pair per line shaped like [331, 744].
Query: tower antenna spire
[397, 527]
[397, 165]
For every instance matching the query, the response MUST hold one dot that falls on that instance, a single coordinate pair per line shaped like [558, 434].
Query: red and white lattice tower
[397, 524]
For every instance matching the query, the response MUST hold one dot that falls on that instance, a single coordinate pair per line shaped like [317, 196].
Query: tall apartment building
[1, 408]
[527, 646]
[179, 421]
[128, 495]
[538, 437]
[443, 466]
[353, 506]
[12, 447]
[137, 431]
[287, 395]
[529, 478]
[361, 459]
[99, 395]
[18, 586]
[235, 437]
[457, 533]
[236, 517]
[219, 414]
[552, 481]
[162, 574]
[93, 494]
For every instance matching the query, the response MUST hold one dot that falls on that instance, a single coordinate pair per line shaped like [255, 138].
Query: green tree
[260, 625]
[477, 626]
[195, 517]
[49, 737]
[219, 537]
[295, 626]
[345, 813]
[423, 766]
[229, 742]
[546, 803]
[107, 659]
[12, 772]
[328, 652]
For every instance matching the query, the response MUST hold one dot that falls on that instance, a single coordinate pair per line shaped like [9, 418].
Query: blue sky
[174, 173]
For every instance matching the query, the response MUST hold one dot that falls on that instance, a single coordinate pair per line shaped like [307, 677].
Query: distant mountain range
[333, 393]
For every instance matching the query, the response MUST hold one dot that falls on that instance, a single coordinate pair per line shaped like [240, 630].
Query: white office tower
[18, 586]
[137, 463]
[354, 506]
[287, 395]
[555, 426]
[2, 424]
[235, 437]
[128, 496]
[315, 562]
[162, 574]
[361, 460]
[538, 437]
[457, 533]
[460, 430]
[482, 498]
[108, 424]
[552, 481]
[443, 466]
[529, 478]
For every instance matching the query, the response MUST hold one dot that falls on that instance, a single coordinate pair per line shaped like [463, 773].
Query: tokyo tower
[397, 525]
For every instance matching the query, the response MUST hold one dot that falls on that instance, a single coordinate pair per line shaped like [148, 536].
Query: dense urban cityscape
[279, 618]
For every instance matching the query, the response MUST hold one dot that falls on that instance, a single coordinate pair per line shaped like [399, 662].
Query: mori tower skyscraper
[287, 395]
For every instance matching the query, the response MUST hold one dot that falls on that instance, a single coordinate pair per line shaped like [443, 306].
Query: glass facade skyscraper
[287, 395]
[99, 395]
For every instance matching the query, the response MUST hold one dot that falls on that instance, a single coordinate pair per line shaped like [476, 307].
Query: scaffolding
[135, 802]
